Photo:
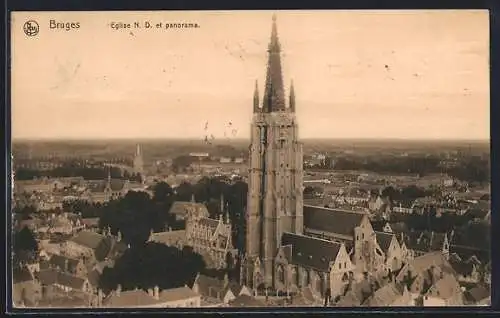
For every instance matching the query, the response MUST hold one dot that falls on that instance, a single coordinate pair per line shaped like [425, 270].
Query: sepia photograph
[250, 159]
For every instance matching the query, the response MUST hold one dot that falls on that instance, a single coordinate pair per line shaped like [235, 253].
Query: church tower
[138, 162]
[275, 176]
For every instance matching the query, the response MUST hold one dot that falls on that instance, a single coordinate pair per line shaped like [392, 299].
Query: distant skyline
[357, 75]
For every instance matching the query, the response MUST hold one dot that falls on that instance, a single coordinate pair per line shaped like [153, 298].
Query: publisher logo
[31, 28]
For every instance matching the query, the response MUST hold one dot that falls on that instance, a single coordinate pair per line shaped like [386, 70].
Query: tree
[151, 265]
[162, 192]
[391, 193]
[25, 246]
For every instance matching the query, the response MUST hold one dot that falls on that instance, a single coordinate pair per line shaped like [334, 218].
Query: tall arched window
[281, 274]
[295, 276]
[318, 282]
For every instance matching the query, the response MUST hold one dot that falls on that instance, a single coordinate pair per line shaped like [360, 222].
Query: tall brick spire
[274, 96]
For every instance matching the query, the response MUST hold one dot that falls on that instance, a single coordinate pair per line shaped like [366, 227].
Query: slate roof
[424, 241]
[465, 253]
[332, 220]
[447, 287]
[384, 240]
[311, 252]
[88, 239]
[461, 267]
[246, 301]
[59, 261]
[385, 296]
[421, 264]
[52, 276]
[477, 293]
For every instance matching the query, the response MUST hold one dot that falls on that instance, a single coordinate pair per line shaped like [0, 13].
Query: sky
[357, 74]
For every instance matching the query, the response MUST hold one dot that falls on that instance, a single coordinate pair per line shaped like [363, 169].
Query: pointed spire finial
[256, 107]
[274, 45]
[292, 97]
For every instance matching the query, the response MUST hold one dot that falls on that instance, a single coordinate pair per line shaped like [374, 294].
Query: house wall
[434, 302]
[395, 256]
[341, 272]
[30, 290]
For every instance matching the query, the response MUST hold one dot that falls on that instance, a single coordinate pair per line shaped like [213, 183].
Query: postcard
[229, 159]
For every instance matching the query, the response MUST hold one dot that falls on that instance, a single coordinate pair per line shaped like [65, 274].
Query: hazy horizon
[358, 75]
[135, 139]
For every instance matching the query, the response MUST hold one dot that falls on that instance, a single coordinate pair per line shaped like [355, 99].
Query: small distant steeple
[138, 161]
[193, 199]
[109, 178]
[222, 203]
[256, 107]
[292, 98]
[228, 220]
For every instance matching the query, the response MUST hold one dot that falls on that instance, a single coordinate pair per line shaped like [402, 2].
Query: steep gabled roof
[210, 287]
[385, 296]
[246, 301]
[446, 287]
[332, 220]
[88, 239]
[311, 252]
[478, 293]
[52, 276]
[384, 240]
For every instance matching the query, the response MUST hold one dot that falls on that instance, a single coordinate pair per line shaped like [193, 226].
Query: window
[363, 236]
[340, 266]
[281, 274]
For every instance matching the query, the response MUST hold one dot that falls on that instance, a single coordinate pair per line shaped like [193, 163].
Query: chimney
[118, 290]
[170, 229]
[156, 293]
[150, 292]
[119, 236]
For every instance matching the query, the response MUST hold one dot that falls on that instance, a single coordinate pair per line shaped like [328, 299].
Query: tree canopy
[151, 265]
[25, 246]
